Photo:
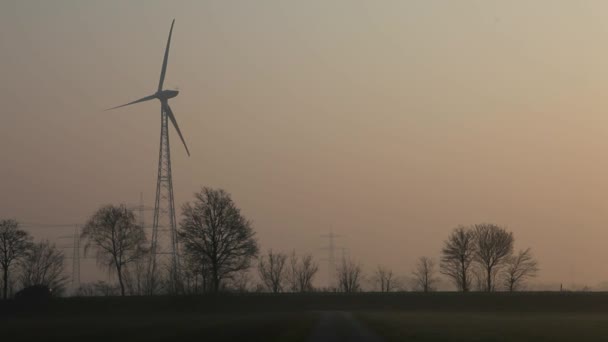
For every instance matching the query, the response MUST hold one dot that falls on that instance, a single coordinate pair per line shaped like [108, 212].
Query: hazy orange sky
[390, 122]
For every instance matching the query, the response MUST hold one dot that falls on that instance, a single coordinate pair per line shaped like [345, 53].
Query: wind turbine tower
[164, 248]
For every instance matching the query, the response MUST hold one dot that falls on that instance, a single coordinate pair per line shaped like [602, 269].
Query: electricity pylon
[331, 258]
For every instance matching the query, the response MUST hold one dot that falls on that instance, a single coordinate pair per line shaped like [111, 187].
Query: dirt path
[338, 326]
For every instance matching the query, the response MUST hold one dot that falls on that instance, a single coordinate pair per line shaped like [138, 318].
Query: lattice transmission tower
[331, 258]
[165, 253]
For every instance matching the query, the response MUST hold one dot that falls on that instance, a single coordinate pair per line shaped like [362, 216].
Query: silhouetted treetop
[214, 232]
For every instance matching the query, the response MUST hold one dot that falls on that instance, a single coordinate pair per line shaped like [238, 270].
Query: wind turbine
[164, 232]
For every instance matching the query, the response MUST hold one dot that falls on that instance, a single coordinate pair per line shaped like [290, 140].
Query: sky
[387, 122]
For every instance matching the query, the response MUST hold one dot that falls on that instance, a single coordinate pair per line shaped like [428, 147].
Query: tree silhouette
[196, 274]
[301, 272]
[14, 245]
[456, 257]
[493, 247]
[385, 279]
[349, 276]
[424, 274]
[214, 232]
[272, 271]
[116, 238]
[520, 268]
[43, 264]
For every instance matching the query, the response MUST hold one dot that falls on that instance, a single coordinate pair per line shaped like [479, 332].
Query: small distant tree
[98, 288]
[272, 271]
[493, 248]
[43, 264]
[384, 279]
[214, 231]
[196, 274]
[301, 272]
[424, 275]
[306, 272]
[241, 282]
[102, 288]
[14, 245]
[349, 276]
[85, 290]
[520, 268]
[456, 257]
[117, 239]
[136, 277]
[189, 276]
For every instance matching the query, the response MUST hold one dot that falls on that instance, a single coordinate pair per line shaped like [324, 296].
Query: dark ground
[341, 326]
[314, 317]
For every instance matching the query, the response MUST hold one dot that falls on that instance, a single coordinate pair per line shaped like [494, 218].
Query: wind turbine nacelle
[167, 94]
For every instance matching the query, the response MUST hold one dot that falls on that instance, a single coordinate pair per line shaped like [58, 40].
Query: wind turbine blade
[172, 117]
[164, 69]
[143, 99]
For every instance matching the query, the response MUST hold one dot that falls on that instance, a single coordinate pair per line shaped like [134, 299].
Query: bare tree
[197, 274]
[214, 232]
[271, 268]
[96, 289]
[44, 265]
[301, 272]
[306, 272]
[116, 238]
[493, 247]
[478, 277]
[189, 275]
[384, 279]
[136, 275]
[241, 282]
[520, 268]
[349, 276]
[102, 288]
[14, 245]
[456, 257]
[85, 290]
[424, 275]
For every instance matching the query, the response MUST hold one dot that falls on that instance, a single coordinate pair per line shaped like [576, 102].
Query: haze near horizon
[389, 123]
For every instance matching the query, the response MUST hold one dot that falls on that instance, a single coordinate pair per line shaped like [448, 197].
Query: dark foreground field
[321, 317]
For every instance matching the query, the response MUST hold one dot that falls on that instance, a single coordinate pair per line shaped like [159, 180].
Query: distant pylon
[76, 260]
[331, 258]
[141, 208]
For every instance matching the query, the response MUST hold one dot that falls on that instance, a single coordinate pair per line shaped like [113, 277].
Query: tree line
[32, 263]
[481, 257]
[219, 249]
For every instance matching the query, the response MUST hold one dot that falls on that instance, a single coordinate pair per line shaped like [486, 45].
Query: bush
[35, 293]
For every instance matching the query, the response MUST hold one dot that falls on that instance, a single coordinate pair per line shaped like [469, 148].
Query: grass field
[159, 327]
[288, 317]
[432, 326]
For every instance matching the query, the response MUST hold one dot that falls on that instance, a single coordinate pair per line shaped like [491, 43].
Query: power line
[31, 225]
